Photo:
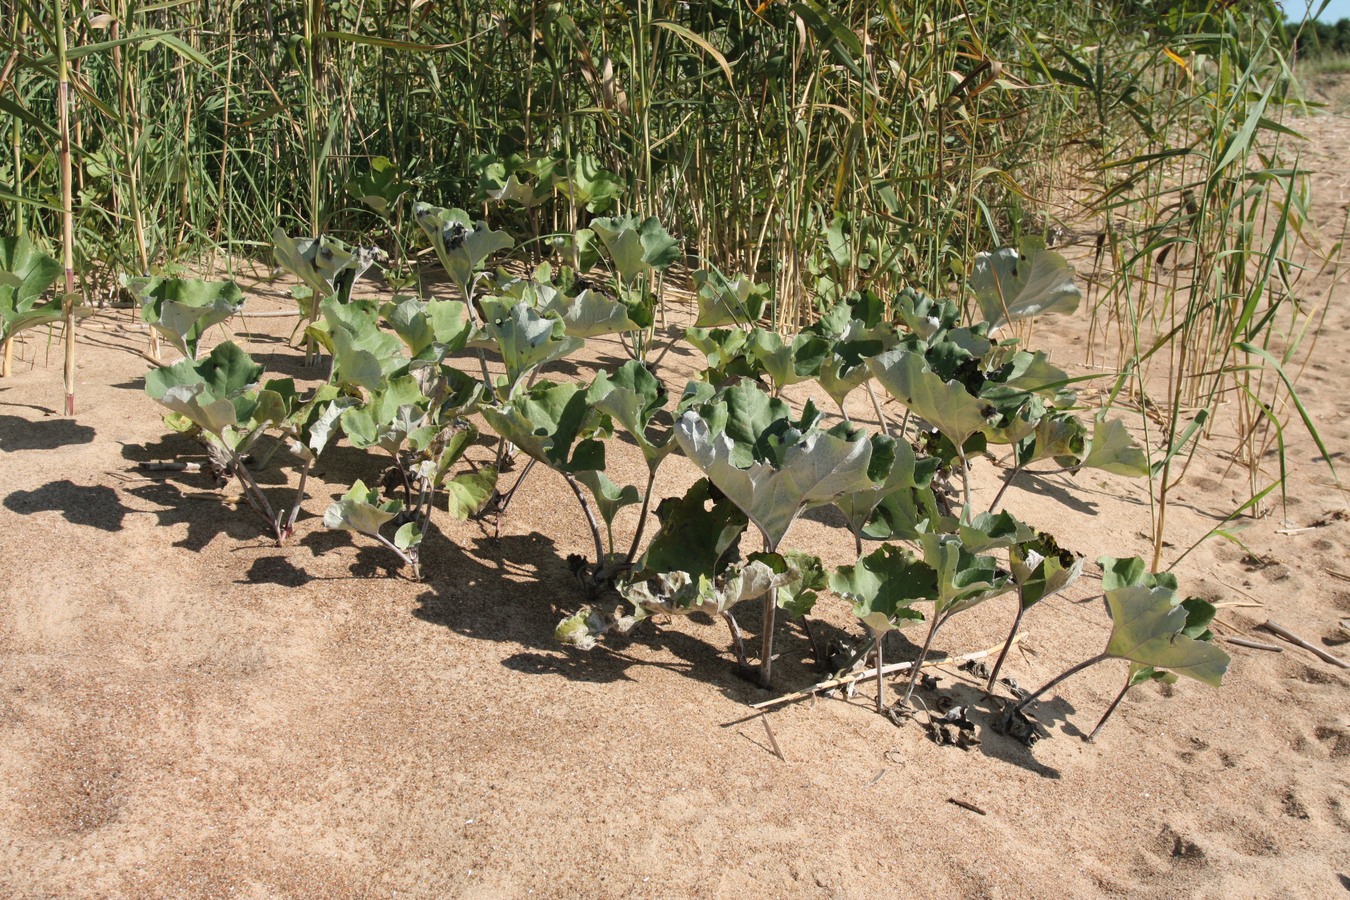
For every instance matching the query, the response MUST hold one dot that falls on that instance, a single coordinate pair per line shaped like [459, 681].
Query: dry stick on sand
[872, 673]
[1275, 628]
[1255, 645]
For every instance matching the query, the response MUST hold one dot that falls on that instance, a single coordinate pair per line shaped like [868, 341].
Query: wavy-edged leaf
[815, 469]
[181, 309]
[1147, 628]
[590, 314]
[461, 244]
[728, 301]
[698, 535]
[787, 362]
[963, 579]
[633, 397]
[361, 510]
[947, 406]
[551, 423]
[636, 247]
[1113, 450]
[1012, 284]
[1041, 568]
[883, 587]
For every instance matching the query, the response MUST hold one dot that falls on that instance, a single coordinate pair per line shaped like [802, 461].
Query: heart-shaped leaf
[1148, 629]
[884, 585]
[1012, 284]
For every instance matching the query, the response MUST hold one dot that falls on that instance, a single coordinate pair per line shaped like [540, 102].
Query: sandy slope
[186, 710]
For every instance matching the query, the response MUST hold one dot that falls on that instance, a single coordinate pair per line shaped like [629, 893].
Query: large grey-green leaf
[181, 309]
[1130, 571]
[1113, 450]
[517, 191]
[394, 412]
[1042, 568]
[728, 301]
[787, 362]
[467, 492]
[633, 396]
[526, 339]
[636, 247]
[550, 422]
[589, 314]
[609, 497]
[379, 187]
[363, 355]
[883, 587]
[947, 406]
[799, 597]
[25, 275]
[360, 510]
[963, 579]
[325, 265]
[194, 402]
[461, 244]
[1012, 284]
[817, 469]
[993, 531]
[894, 472]
[226, 371]
[697, 534]
[1147, 625]
[1058, 435]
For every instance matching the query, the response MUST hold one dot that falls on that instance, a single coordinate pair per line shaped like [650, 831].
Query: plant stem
[256, 498]
[965, 484]
[67, 208]
[923, 654]
[289, 529]
[1073, 670]
[1007, 483]
[590, 518]
[1007, 645]
[876, 407]
[642, 516]
[736, 638]
[407, 560]
[1110, 709]
[881, 666]
[766, 640]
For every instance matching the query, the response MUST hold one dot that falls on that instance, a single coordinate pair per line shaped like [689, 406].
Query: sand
[187, 710]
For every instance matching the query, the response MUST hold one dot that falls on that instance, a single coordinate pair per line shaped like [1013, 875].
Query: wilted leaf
[1042, 568]
[466, 493]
